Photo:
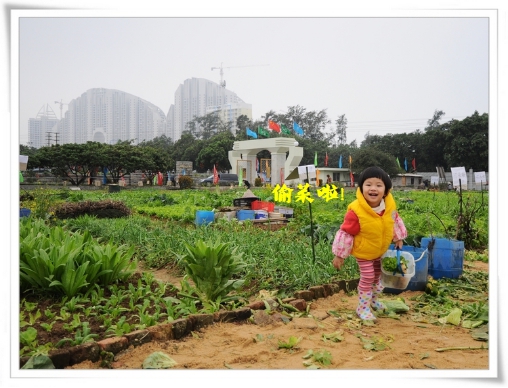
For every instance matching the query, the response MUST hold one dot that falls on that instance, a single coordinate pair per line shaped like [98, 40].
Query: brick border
[180, 328]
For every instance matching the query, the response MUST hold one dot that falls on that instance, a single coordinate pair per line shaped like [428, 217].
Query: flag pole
[311, 226]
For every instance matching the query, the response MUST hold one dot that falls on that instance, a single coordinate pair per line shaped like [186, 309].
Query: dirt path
[244, 346]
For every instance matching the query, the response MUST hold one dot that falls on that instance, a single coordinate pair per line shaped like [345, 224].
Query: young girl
[370, 224]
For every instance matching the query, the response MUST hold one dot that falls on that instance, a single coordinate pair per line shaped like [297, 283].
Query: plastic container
[397, 280]
[419, 281]
[286, 212]
[260, 214]
[243, 215]
[24, 212]
[204, 217]
[261, 205]
[446, 257]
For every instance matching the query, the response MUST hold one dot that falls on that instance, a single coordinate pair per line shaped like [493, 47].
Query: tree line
[208, 139]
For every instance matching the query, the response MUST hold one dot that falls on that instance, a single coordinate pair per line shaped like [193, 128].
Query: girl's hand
[338, 262]
[398, 244]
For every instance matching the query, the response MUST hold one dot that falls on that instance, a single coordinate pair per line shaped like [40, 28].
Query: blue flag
[251, 133]
[297, 128]
[405, 164]
[340, 162]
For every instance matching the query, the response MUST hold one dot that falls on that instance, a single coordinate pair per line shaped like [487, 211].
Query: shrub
[185, 182]
[100, 209]
[257, 182]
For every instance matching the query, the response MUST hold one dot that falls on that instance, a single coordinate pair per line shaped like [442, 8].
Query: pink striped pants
[370, 272]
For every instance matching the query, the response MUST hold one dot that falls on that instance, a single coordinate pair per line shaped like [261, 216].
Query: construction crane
[221, 68]
[61, 106]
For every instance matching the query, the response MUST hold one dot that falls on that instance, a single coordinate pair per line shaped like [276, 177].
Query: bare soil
[411, 343]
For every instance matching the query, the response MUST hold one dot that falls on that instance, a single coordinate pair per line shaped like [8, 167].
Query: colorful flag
[297, 128]
[251, 133]
[263, 132]
[350, 161]
[315, 159]
[240, 177]
[340, 162]
[398, 163]
[21, 177]
[413, 163]
[273, 126]
[285, 130]
[352, 178]
[326, 159]
[405, 164]
[215, 175]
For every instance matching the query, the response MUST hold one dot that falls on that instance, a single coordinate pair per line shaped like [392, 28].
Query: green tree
[122, 158]
[162, 155]
[216, 152]
[31, 152]
[204, 127]
[75, 162]
[366, 157]
[340, 130]
[434, 121]
[468, 144]
[242, 122]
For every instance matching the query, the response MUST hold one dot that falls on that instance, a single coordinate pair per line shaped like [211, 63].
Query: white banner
[302, 172]
[459, 173]
[480, 177]
[434, 180]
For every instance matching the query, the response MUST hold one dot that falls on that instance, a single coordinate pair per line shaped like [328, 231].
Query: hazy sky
[386, 74]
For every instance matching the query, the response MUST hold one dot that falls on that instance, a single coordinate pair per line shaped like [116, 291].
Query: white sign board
[23, 161]
[310, 169]
[434, 180]
[459, 173]
[479, 177]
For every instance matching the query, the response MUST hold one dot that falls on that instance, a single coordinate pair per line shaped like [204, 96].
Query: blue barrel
[419, 280]
[204, 217]
[446, 257]
[245, 215]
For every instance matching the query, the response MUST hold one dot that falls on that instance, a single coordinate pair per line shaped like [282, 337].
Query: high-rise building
[109, 115]
[197, 97]
[42, 129]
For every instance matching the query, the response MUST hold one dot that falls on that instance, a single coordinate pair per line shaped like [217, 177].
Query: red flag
[352, 178]
[326, 159]
[274, 126]
[215, 176]
[413, 163]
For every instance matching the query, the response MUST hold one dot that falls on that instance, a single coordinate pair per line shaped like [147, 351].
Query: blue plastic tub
[204, 217]
[419, 280]
[446, 257]
[24, 212]
[245, 215]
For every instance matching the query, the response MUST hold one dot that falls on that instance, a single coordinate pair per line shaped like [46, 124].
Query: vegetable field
[89, 276]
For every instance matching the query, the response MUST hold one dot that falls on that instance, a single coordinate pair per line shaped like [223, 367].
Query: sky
[385, 74]
[386, 65]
